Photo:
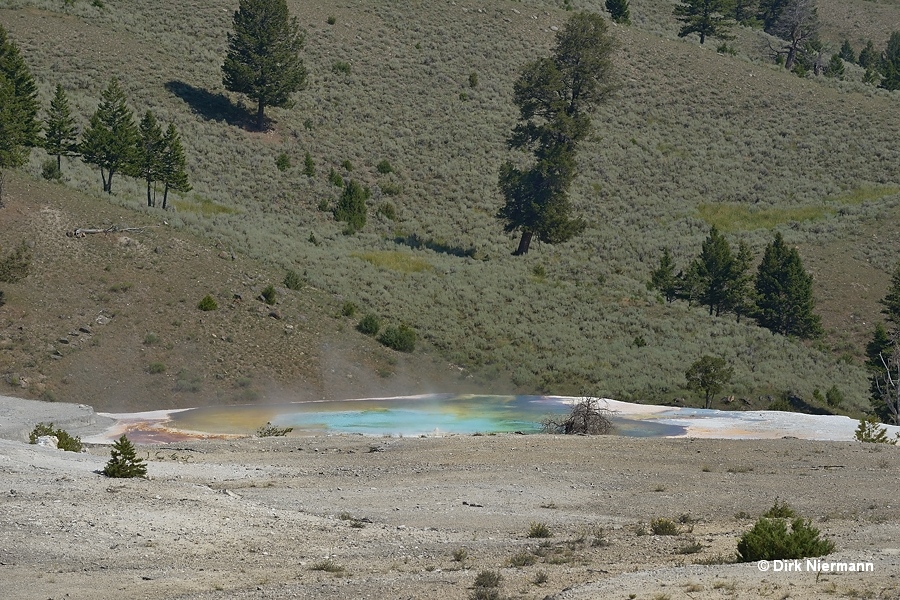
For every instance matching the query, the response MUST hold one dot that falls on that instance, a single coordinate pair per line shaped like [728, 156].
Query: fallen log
[81, 231]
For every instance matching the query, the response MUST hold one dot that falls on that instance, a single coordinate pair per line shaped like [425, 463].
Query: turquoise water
[407, 416]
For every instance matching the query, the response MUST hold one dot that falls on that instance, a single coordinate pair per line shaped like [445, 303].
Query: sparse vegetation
[269, 430]
[587, 417]
[663, 526]
[539, 530]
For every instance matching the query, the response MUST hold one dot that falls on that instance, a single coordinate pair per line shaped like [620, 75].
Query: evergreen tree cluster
[881, 67]
[114, 143]
[779, 297]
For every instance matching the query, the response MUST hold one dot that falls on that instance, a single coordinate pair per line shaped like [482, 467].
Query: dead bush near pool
[587, 417]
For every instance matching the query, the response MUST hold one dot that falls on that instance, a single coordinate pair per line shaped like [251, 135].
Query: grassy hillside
[691, 139]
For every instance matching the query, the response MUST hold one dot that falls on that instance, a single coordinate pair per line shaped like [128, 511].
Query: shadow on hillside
[210, 106]
[415, 242]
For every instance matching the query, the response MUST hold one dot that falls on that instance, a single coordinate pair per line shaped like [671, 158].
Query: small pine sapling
[123, 461]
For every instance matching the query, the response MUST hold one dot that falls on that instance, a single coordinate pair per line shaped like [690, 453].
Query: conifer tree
[263, 60]
[351, 207]
[664, 278]
[835, 67]
[846, 53]
[309, 167]
[110, 141]
[150, 153]
[60, 133]
[19, 126]
[174, 165]
[868, 56]
[890, 64]
[554, 96]
[706, 18]
[619, 11]
[784, 293]
[717, 278]
[123, 461]
[798, 26]
[769, 12]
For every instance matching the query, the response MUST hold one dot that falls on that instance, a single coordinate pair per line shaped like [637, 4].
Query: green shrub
[309, 167]
[539, 530]
[770, 540]
[283, 162]
[208, 303]
[269, 430]
[834, 397]
[293, 281]
[331, 20]
[473, 80]
[384, 167]
[401, 338]
[348, 309]
[663, 526]
[348, 166]
[151, 339]
[64, 440]
[335, 178]
[50, 170]
[156, 368]
[123, 461]
[460, 555]
[369, 325]
[341, 67]
[269, 294]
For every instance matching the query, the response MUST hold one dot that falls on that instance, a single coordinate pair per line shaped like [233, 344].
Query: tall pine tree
[883, 354]
[785, 300]
[554, 96]
[110, 141]
[19, 126]
[706, 18]
[60, 133]
[263, 60]
[717, 278]
[148, 163]
[174, 165]
[889, 64]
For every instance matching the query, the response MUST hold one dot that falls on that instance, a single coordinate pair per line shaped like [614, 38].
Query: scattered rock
[48, 441]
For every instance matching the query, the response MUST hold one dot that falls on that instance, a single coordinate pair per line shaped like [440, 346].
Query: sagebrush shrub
[293, 281]
[539, 530]
[401, 338]
[269, 294]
